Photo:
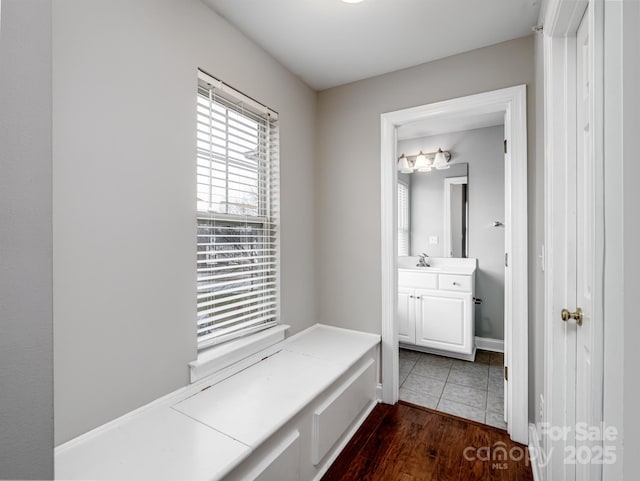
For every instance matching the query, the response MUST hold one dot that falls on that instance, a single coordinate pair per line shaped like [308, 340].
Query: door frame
[512, 103]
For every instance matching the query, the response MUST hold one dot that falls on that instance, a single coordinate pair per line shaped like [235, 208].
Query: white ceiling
[329, 42]
[445, 124]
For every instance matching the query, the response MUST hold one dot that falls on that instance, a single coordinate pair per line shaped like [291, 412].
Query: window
[237, 214]
[403, 219]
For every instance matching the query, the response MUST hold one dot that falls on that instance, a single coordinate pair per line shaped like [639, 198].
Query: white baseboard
[439, 352]
[535, 451]
[488, 344]
[379, 392]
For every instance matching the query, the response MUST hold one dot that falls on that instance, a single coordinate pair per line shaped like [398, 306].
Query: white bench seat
[285, 417]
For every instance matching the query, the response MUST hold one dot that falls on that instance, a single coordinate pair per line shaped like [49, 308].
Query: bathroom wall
[124, 90]
[482, 150]
[26, 310]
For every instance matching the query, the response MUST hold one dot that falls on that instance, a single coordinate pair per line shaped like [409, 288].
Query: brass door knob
[566, 315]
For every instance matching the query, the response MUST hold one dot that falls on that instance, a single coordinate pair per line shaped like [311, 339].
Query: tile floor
[471, 390]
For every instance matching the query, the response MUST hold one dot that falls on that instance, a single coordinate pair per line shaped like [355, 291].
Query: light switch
[433, 239]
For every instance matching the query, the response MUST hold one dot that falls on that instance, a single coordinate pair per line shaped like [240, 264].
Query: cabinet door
[406, 322]
[443, 320]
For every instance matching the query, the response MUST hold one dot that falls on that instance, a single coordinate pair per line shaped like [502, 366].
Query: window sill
[217, 358]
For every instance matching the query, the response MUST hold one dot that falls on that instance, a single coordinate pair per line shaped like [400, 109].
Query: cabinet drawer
[455, 283]
[423, 280]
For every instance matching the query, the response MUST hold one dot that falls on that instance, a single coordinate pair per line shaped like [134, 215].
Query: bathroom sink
[439, 265]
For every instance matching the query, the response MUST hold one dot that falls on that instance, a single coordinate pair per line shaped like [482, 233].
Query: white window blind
[403, 219]
[237, 214]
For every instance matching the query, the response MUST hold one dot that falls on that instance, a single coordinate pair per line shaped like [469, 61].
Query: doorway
[511, 104]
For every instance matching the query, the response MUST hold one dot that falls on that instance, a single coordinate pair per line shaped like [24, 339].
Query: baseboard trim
[439, 352]
[379, 392]
[488, 344]
[535, 452]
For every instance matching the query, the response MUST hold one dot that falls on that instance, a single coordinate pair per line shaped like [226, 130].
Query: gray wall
[622, 234]
[26, 318]
[124, 89]
[482, 149]
[348, 171]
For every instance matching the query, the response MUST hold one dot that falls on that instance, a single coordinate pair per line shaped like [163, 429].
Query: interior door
[589, 453]
[576, 390]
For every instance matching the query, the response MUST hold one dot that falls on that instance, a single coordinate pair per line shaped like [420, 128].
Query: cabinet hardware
[566, 315]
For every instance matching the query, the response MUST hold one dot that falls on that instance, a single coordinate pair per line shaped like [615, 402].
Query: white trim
[213, 82]
[390, 361]
[440, 352]
[379, 392]
[561, 22]
[512, 102]
[619, 68]
[448, 182]
[535, 453]
[216, 358]
[488, 344]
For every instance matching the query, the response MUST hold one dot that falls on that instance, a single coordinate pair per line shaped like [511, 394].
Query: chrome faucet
[423, 260]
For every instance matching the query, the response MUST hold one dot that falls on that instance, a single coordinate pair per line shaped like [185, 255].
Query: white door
[575, 391]
[588, 451]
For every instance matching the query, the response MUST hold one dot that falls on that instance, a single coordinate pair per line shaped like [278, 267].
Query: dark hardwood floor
[406, 442]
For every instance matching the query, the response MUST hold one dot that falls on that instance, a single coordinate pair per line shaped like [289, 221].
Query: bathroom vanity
[436, 306]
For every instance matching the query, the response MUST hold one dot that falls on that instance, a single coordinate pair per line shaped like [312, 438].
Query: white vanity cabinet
[406, 315]
[435, 311]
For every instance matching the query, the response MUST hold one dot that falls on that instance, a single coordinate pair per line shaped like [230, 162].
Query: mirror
[433, 212]
[455, 214]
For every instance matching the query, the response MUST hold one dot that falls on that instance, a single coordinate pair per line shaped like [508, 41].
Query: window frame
[267, 164]
[407, 230]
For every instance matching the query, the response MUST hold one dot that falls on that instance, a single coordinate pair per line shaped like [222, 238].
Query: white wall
[124, 89]
[26, 312]
[482, 150]
[348, 170]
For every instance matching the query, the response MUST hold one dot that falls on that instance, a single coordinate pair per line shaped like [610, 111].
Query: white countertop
[205, 433]
[462, 271]
[440, 265]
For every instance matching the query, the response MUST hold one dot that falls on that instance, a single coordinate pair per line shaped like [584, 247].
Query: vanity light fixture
[404, 166]
[422, 162]
[441, 160]
[352, 1]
